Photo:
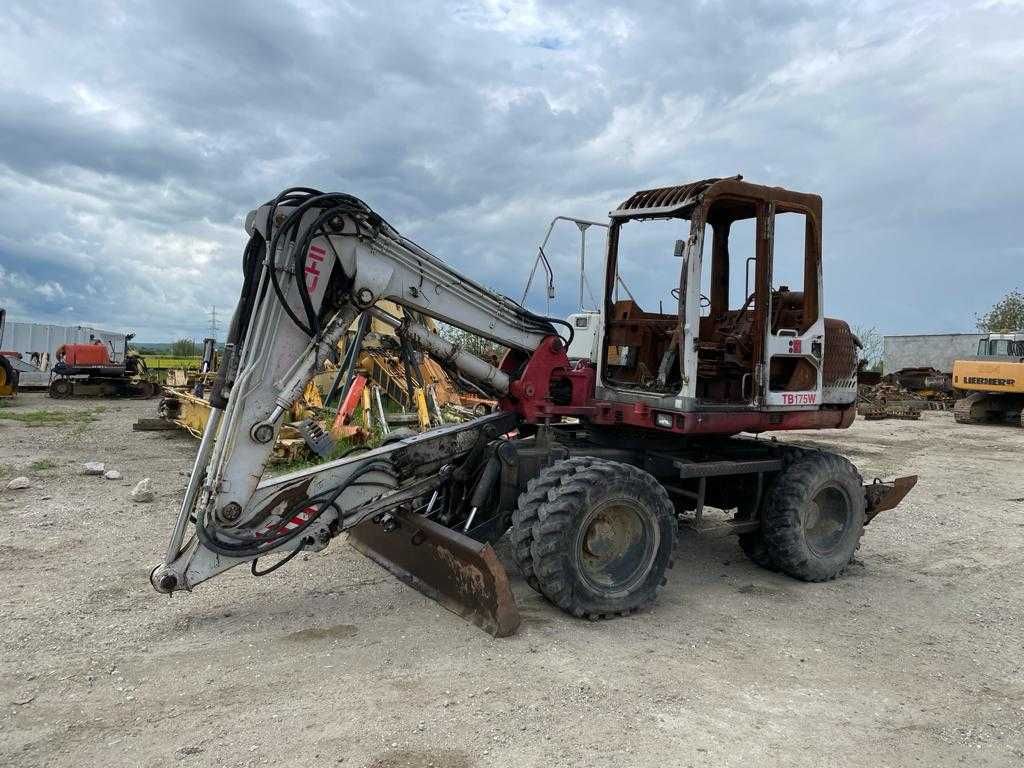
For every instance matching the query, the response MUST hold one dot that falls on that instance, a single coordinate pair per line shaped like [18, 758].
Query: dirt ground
[914, 657]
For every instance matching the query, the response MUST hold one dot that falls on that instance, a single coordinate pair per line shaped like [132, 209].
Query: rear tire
[753, 543]
[814, 517]
[756, 549]
[603, 540]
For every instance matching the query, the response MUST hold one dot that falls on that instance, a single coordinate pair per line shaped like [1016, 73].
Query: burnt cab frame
[722, 360]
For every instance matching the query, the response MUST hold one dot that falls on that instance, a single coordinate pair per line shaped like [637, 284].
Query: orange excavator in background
[89, 370]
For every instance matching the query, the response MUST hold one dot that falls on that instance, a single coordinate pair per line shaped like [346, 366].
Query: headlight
[665, 420]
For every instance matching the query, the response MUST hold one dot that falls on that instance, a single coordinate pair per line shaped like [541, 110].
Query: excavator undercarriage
[589, 466]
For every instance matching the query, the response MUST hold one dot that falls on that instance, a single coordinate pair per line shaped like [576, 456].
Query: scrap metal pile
[888, 401]
[378, 385]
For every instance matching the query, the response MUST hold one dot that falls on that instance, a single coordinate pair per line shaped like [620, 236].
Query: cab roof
[681, 199]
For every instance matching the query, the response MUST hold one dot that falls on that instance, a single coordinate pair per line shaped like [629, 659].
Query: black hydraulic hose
[336, 384]
[279, 563]
[343, 203]
[351, 360]
[485, 484]
[543, 324]
[274, 243]
[239, 327]
[315, 229]
[407, 363]
[322, 502]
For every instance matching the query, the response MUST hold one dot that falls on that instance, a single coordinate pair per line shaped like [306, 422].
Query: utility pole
[214, 324]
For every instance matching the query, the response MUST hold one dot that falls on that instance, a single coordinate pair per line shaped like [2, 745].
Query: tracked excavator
[991, 384]
[590, 466]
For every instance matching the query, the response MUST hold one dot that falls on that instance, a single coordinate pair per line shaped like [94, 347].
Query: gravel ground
[914, 657]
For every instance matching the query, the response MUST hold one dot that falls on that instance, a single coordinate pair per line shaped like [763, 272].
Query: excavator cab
[1001, 344]
[743, 327]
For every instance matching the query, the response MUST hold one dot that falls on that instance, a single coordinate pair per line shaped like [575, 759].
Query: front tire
[603, 540]
[814, 517]
[527, 507]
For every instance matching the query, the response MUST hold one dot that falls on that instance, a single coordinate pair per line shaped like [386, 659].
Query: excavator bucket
[462, 574]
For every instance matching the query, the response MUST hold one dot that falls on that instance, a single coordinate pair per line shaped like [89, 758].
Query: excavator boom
[314, 262]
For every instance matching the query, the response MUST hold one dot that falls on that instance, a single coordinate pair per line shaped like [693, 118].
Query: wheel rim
[616, 545]
[826, 520]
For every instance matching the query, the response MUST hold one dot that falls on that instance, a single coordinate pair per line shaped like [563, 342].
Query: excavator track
[988, 408]
[963, 410]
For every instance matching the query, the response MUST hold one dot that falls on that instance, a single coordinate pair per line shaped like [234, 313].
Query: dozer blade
[462, 574]
[884, 496]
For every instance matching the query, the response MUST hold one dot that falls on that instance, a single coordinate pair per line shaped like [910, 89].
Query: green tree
[872, 346]
[483, 348]
[183, 348]
[1006, 315]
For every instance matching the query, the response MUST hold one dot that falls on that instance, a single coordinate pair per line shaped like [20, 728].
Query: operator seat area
[637, 343]
[734, 233]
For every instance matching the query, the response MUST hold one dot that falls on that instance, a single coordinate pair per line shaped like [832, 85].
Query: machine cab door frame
[765, 348]
[794, 330]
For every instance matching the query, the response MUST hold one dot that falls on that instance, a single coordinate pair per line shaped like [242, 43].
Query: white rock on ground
[112, 474]
[18, 483]
[143, 491]
[93, 468]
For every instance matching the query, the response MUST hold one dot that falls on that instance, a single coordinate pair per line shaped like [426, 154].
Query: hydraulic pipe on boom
[314, 263]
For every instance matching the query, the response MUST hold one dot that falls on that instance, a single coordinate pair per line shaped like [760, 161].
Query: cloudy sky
[135, 136]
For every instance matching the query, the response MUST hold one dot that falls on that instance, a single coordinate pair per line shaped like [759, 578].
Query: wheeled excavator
[589, 466]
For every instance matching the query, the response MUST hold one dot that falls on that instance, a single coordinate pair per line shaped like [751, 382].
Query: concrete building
[932, 350]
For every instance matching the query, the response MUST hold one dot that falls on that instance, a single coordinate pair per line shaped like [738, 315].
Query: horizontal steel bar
[693, 469]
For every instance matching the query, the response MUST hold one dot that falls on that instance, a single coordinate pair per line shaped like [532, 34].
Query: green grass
[42, 418]
[42, 465]
[340, 449]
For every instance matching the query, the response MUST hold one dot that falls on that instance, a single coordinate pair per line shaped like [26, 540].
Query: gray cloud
[134, 136]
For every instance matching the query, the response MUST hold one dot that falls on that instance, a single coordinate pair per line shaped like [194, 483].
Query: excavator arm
[314, 262]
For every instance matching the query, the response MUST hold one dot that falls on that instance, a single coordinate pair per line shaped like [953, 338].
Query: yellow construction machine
[992, 383]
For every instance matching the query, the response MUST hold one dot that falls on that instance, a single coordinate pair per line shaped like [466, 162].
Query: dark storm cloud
[134, 136]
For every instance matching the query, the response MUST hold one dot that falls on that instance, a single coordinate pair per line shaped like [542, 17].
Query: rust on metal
[662, 201]
[460, 573]
[884, 496]
[840, 363]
